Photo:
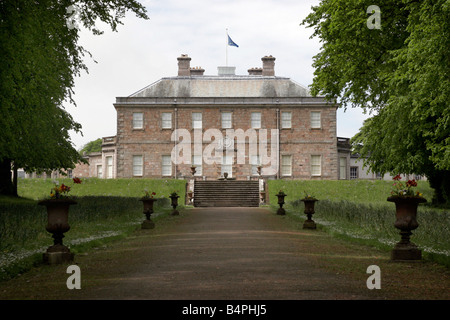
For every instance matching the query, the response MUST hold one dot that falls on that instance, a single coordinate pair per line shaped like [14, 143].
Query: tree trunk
[439, 181]
[6, 184]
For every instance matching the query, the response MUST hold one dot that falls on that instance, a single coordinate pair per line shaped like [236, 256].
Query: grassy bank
[106, 210]
[357, 210]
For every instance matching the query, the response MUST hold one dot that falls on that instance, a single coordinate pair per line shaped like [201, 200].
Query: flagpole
[226, 49]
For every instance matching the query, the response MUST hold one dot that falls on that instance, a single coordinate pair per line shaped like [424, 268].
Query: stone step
[226, 193]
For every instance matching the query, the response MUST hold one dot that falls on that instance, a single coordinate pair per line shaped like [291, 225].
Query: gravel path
[215, 254]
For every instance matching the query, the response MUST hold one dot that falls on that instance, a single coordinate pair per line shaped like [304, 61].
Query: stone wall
[300, 141]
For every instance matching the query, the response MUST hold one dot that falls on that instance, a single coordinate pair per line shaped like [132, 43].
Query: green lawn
[109, 209]
[105, 210]
[357, 210]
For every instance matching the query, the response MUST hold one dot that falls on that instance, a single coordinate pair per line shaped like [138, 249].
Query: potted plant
[58, 222]
[174, 197]
[225, 175]
[406, 203]
[281, 196]
[193, 170]
[148, 201]
[309, 202]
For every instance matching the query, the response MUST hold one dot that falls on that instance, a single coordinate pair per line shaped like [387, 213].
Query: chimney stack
[184, 63]
[255, 71]
[268, 66]
[197, 71]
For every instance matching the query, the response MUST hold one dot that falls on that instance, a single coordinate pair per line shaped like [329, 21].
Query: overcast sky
[143, 51]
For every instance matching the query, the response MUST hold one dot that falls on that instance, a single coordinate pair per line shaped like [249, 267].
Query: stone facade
[176, 111]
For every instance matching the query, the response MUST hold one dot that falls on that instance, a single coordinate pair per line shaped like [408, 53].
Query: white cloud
[143, 51]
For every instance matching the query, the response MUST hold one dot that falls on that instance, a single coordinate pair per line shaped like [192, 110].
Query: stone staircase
[226, 193]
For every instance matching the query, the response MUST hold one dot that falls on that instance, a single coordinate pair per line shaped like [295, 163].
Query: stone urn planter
[225, 175]
[309, 211]
[193, 170]
[57, 225]
[281, 196]
[174, 203]
[148, 210]
[406, 213]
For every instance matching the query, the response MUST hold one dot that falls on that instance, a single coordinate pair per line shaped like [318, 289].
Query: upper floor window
[196, 120]
[256, 120]
[138, 120]
[286, 120]
[166, 120]
[315, 120]
[226, 120]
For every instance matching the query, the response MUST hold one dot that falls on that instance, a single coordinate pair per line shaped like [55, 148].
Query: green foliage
[92, 146]
[400, 73]
[40, 59]
[356, 191]
[357, 210]
[105, 210]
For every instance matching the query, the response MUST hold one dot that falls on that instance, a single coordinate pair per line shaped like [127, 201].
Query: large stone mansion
[224, 123]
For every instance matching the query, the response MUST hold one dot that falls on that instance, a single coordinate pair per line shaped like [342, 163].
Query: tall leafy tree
[399, 73]
[39, 59]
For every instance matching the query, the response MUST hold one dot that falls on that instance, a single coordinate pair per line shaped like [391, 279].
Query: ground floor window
[197, 162]
[255, 163]
[286, 165]
[354, 174]
[138, 166]
[342, 168]
[227, 165]
[316, 165]
[166, 165]
[99, 171]
[109, 167]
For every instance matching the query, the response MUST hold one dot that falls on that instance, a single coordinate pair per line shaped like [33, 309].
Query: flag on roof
[231, 42]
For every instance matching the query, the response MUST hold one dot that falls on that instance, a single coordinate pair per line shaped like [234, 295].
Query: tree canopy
[92, 146]
[40, 57]
[399, 73]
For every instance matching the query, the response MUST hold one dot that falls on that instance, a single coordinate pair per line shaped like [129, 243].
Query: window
[69, 173]
[197, 162]
[256, 120]
[316, 167]
[286, 120]
[166, 120]
[226, 120]
[354, 173]
[286, 165]
[255, 163]
[138, 120]
[227, 165]
[138, 166]
[109, 167]
[315, 120]
[196, 120]
[166, 166]
[99, 171]
[342, 168]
